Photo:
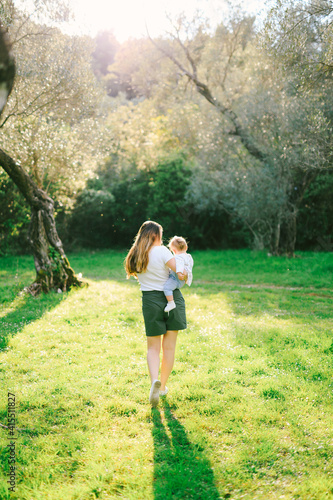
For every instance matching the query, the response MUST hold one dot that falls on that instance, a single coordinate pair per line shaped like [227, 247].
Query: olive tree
[285, 136]
[53, 87]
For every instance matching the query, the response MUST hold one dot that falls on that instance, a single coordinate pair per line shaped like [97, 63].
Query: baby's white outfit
[184, 261]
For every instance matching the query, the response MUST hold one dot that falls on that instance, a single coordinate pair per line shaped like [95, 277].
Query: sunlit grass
[249, 413]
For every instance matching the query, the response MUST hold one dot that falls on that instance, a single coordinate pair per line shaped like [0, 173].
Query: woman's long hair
[137, 258]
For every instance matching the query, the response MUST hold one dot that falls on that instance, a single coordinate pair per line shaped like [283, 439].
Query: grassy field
[249, 412]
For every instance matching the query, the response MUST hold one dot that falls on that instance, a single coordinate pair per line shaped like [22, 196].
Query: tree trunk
[286, 234]
[258, 242]
[289, 226]
[52, 266]
[290, 235]
[7, 70]
[275, 239]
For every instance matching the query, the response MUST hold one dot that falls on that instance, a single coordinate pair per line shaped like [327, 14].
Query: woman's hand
[172, 265]
[182, 276]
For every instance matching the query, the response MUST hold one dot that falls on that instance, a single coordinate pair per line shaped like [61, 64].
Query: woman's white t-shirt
[157, 272]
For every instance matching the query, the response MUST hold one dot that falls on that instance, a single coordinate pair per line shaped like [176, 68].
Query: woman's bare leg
[153, 356]
[168, 358]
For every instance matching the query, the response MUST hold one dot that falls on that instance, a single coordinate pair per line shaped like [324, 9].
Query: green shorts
[158, 322]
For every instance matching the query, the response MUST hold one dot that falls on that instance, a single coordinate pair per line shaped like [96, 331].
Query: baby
[184, 262]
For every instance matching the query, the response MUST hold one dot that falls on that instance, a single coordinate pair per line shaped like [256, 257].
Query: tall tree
[105, 52]
[52, 266]
[214, 64]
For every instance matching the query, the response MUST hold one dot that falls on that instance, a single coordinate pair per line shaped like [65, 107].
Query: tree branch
[205, 91]
[35, 196]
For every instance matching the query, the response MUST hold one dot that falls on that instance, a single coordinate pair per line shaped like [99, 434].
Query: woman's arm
[172, 264]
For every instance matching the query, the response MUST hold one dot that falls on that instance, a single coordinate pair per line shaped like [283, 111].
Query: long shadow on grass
[180, 469]
[27, 310]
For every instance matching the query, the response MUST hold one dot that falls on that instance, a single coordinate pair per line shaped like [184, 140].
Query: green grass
[249, 412]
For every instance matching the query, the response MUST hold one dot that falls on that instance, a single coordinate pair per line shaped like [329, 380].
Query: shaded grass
[249, 409]
[15, 273]
[181, 469]
[22, 311]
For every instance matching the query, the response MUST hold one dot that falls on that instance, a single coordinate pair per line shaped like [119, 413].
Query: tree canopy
[239, 118]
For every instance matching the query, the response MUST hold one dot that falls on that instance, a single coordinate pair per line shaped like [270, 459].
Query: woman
[149, 261]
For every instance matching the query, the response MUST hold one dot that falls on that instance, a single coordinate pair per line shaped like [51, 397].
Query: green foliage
[129, 197]
[92, 218]
[299, 35]
[315, 220]
[167, 187]
[111, 209]
[14, 217]
[171, 156]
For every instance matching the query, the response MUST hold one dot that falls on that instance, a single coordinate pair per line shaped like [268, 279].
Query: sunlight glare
[128, 18]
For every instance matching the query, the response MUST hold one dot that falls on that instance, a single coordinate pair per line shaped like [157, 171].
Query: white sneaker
[154, 392]
[165, 392]
[170, 305]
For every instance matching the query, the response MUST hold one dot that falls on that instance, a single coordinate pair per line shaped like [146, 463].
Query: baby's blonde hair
[178, 242]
